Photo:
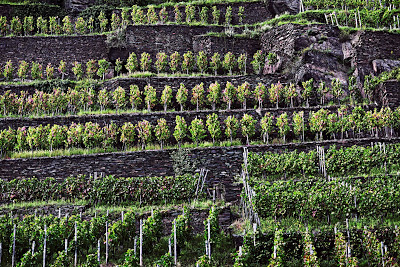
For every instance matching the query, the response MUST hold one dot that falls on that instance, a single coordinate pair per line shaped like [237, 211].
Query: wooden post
[66, 246]
[383, 257]
[209, 238]
[98, 250]
[13, 247]
[107, 242]
[254, 231]
[1, 251]
[44, 245]
[169, 246]
[59, 213]
[76, 245]
[175, 247]
[122, 216]
[33, 247]
[141, 243]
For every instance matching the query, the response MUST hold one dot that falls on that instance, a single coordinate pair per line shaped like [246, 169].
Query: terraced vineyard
[204, 133]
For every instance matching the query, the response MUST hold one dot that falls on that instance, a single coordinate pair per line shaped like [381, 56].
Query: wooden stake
[44, 246]
[98, 250]
[33, 247]
[76, 245]
[13, 247]
[140, 244]
[1, 251]
[66, 246]
[106, 242]
[175, 247]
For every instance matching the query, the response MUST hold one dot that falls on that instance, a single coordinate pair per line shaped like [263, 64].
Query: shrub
[132, 63]
[197, 130]
[124, 17]
[67, 25]
[115, 22]
[232, 126]
[161, 131]
[318, 121]
[282, 122]
[152, 15]
[190, 13]
[258, 61]
[3, 25]
[103, 67]
[181, 95]
[144, 132]
[228, 15]
[135, 96]
[188, 62]
[28, 25]
[228, 94]
[175, 59]
[272, 58]
[259, 94]
[103, 21]
[90, 24]
[93, 135]
[80, 25]
[215, 63]
[180, 129]
[119, 98]
[248, 124]
[150, 96]
[23, 69]
[298, 124]
[91, 68]
[103, 99]
[214, 94]
[145, 61]
[215, 14]
[166, 97]
[118, 66]
[213, 126]
[241, 14]
[8, 70]
[307, 90]
[54, 27]
[127, 135]
[229, 62]
[177, 14]
[111, 132]
[76, 69]
[57, 136]
[275, 92]
[42, 25]
[243, 93]
[290, 93]
[197, 95]
[242, 59]
[204, 15]
[161, 62]
[49, 71]
[62, 67]
[266, 124]
[75, 135]
[36, 71]
[202, 61]
[163, 14]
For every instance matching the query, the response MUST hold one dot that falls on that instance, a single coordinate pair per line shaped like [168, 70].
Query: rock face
[325, 53]
[382, 65]
[282, 6]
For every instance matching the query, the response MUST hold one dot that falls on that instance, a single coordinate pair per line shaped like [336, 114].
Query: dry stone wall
[52, 49]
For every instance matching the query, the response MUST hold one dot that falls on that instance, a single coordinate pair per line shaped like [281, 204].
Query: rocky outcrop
[282, 6]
